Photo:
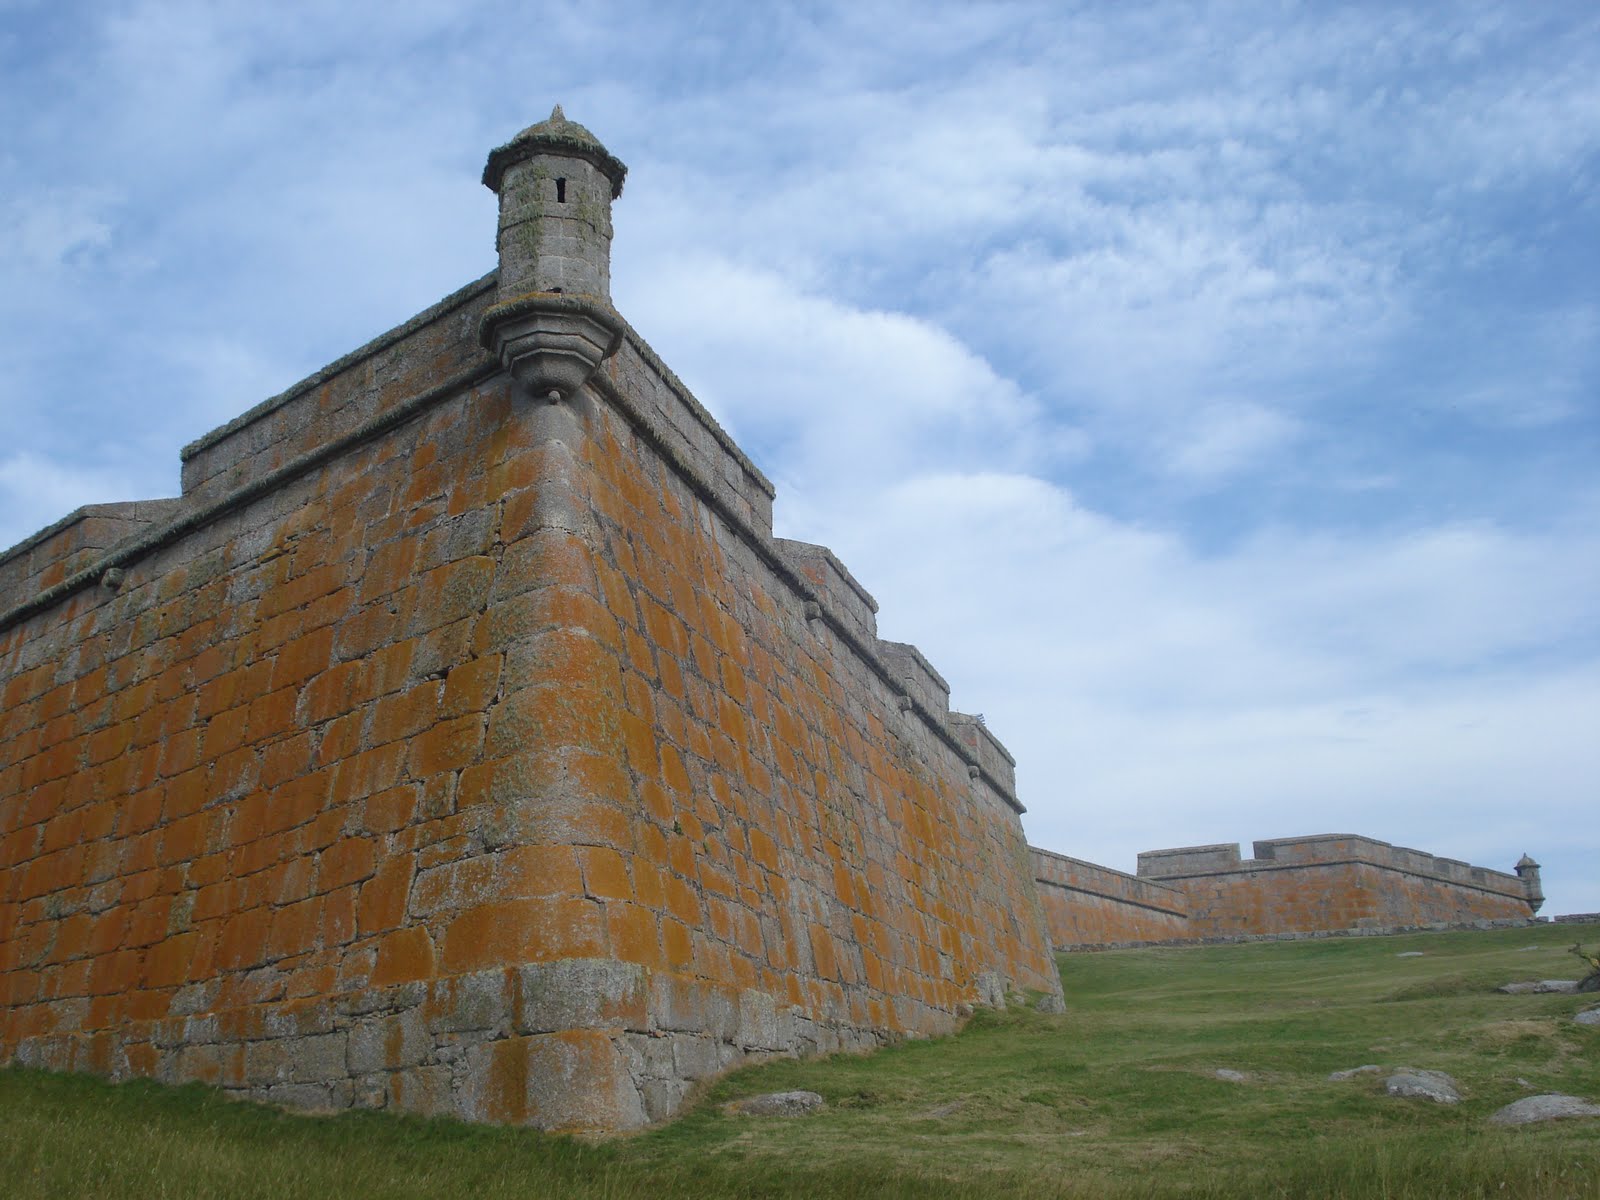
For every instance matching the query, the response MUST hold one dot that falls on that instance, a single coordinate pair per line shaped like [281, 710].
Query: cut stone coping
[1539, 987]
[1352, 1072]
[1549, 1107]
[1426, 1085]
[777, 1104]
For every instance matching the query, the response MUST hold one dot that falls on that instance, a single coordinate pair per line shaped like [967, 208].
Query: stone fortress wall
[1090, 905]
[463, 741]
[1329, 883]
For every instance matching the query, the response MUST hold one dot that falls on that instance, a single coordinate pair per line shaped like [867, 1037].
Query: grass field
[1116, 1098]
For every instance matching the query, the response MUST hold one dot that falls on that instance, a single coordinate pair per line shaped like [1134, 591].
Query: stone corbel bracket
[552, 344]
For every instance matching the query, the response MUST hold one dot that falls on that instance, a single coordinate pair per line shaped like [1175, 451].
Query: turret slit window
[561, 191]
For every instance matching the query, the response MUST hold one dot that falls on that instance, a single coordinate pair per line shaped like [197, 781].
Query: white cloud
[36, 491]
[1219, 439]
[49, 231]
[837, 396]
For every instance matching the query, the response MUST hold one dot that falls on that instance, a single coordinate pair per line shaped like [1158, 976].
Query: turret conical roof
[555, 135]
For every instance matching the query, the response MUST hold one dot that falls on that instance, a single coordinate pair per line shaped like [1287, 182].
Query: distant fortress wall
[1327, 883]
[1087, 904]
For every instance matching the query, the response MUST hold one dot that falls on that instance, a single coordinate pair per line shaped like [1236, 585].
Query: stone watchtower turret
[1528, 872]
[553, 324]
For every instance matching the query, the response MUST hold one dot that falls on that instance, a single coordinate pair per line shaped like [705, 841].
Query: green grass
[1116, 1098]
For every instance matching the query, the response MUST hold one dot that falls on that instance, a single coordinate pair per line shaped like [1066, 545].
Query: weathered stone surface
[1539, 987]
[389, 1042]
[1550, 1107]
[1425, 1085]
[1589, 1016]
[426, 1091]
[317, 1059]
[580, 994]
[778, 1104]
[1229, 1075]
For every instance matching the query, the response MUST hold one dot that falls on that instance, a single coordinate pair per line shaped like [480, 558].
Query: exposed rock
[1426, 1085]
[1231, 1076]
[1351, 1073]
[1549, 1107]
[1589, 1016]
[777, 1104]
[1409, 954]
[1539, 987]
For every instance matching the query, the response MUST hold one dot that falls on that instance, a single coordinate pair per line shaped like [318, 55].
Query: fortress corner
[461, 741]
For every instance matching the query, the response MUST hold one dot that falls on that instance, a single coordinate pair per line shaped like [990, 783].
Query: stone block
[695, 1057]
[679, 1004]
[388, 1043]
[563, 1082]
[425, 1091]
[478, 1001]
[662, 1097]
[319, 1058]
[581, 993]
[758, 1022]
[269, 1062]
[198, 1064]
[311, 1097]
[370, 1091]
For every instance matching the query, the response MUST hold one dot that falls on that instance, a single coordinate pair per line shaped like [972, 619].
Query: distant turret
[1528, 872]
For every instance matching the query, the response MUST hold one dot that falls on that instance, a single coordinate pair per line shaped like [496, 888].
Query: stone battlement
[1328, 849]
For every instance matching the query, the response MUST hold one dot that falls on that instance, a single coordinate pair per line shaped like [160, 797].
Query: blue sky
[1212, 392]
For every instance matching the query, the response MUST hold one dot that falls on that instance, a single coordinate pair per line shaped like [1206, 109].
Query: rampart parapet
[1302, 886]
